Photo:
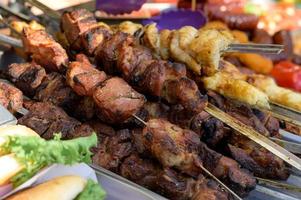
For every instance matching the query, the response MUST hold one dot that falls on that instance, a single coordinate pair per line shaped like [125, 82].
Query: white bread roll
[14, 130]
[9, 166]
[60, 188]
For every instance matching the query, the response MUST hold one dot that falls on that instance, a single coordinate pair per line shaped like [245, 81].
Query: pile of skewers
[157, 110]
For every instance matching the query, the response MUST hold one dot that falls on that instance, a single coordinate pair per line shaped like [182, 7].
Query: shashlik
[155, 89]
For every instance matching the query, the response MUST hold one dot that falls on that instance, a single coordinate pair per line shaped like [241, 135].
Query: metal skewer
[48, 11]
[17, 14]
[256, 48]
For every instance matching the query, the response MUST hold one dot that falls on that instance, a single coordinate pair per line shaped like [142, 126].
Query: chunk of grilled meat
[256, 158]
[26, 76]
[47, 119]
[10, 97]
[107, 54]
[117, 101]
[182, 149]
[54, 90]
[44, 50]
[83, 78]
[160, 78]
[169, 183]
[117, 52]
[82, 31]
[112, 150]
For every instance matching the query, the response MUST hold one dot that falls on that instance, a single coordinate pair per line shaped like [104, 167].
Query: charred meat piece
[112, 150]
[55, 90]
[76, 23]
[47, 119]
[82, 31]
[155, 75]
[167, 182]
[117, 101]
[83, 78]
[10, 97]
[253, 157]
[107, 54]
[211, 130]
[132, 57]
[239, 111]
[26, 76]
[93, 38]
[44, 50]
[183, 150]
[184, 91]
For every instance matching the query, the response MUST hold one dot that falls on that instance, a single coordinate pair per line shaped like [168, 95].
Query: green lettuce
[92, 191]
[36, 153]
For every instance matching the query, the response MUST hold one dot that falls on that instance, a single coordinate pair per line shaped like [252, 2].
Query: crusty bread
[60, 188]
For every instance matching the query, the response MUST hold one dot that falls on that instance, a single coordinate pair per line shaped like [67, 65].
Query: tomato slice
[287, 74]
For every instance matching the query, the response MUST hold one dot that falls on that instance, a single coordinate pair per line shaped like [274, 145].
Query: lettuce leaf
[92, 191]
[35, 153]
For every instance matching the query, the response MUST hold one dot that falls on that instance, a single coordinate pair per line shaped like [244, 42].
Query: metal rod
[17, 14]
[48, 11]
[255, 48]
[221, 183]
[11, 41]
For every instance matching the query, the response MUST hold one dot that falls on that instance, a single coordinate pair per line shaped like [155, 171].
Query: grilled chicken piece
[182, 149]
[165, 39]
[112, 150]
[117, 101]
[83, 78]
[26, 76]
[44, 50]
[10, 97]
[277, 94]
[224, 84]
[151, 37]
[169, 183]
[129, 27]
[207, 47]
[179, 47]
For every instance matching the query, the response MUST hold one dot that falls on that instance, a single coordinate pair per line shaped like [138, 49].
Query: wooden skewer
[193, 5]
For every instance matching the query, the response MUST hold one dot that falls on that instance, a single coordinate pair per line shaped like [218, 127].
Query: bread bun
[60, 188]
[9, 166]
[15, 130]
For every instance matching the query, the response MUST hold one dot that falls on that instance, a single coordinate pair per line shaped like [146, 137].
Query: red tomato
[287, 74]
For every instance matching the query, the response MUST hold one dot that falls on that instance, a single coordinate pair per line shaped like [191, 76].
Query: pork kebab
[119, 55]
[85, 89]
[47, 119]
